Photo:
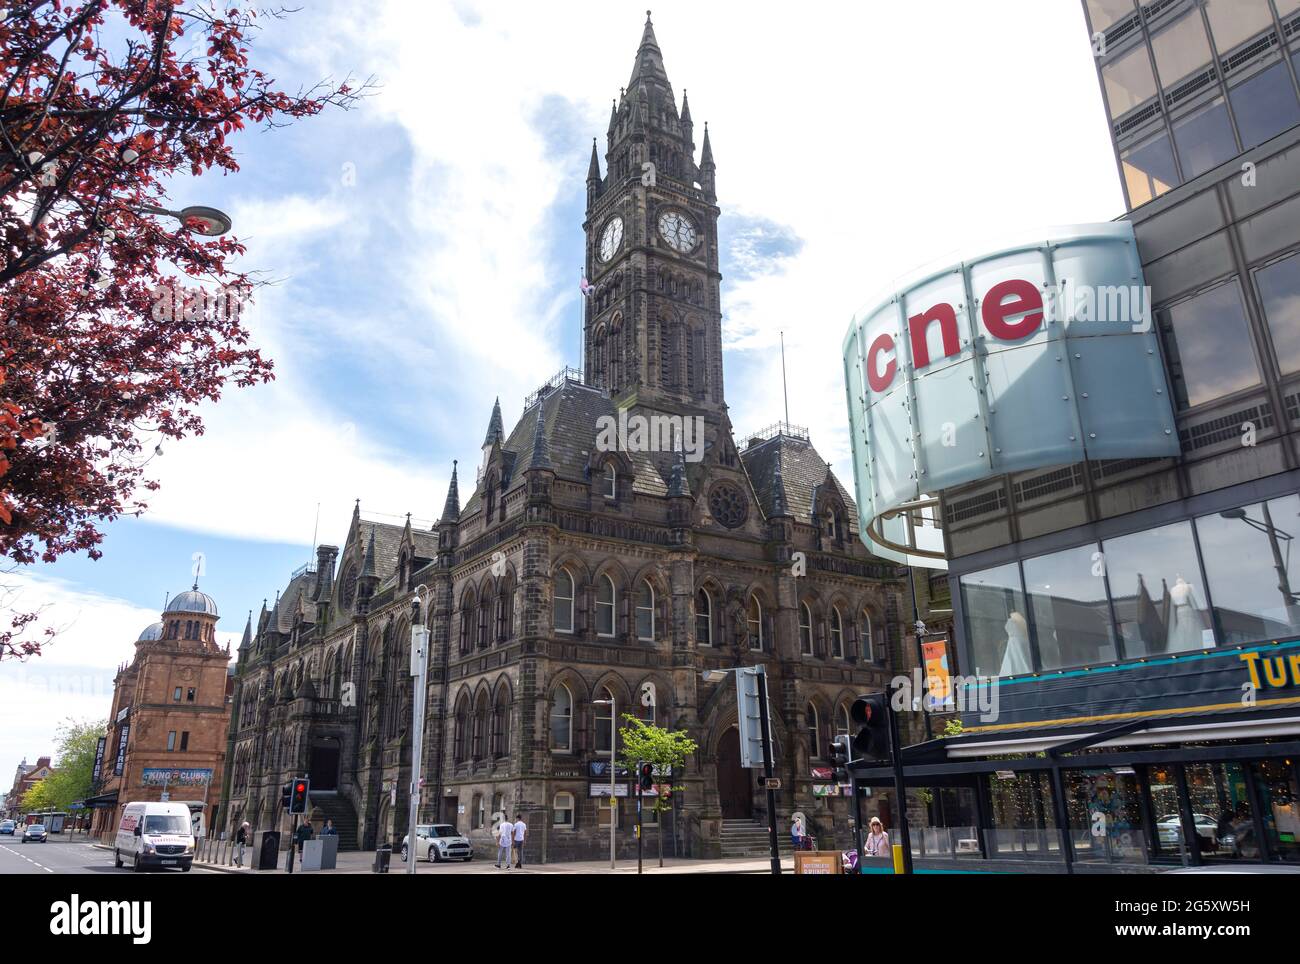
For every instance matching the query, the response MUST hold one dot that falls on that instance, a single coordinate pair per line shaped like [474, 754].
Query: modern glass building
[1137, 620]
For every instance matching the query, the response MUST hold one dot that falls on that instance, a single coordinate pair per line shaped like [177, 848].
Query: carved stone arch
[616, 684]
[576, 565]
[663, 698]
[575, 683]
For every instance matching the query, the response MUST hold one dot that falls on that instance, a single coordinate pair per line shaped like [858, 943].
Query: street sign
[750, 718]
[166, 796]
[769, 783]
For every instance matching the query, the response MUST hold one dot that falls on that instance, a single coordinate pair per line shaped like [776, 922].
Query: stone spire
[541, 447]
[451, 508]
[495, 432]
[779, 506]
[368, 560]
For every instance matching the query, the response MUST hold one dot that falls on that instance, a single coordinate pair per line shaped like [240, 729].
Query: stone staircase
[748, 838]
[338, 808]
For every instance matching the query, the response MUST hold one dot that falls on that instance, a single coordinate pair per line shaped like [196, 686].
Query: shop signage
[1272, 672]
[938, 680]
[602, 790]
[98, 769]
[161, 776]
[123, 734]
[1036, 354]
[601, 769]
[123, 713]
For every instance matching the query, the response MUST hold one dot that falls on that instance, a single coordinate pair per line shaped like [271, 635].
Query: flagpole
[784, 392]
[582, 323]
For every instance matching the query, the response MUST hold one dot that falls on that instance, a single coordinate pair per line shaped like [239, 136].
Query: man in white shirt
[505, 834]
[521, 834]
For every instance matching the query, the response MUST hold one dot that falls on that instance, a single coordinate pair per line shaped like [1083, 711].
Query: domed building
[166, 731]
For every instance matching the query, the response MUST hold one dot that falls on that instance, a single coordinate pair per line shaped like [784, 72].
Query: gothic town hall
[572, 573]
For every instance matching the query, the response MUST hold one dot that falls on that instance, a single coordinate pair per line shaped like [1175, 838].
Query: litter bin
[269, 852]
[382, 855]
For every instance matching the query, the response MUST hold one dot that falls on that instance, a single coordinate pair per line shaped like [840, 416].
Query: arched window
[562, 810]
[484, 619]
[755, 620]
[562, 719]
[604, 714]
[842, 720]
[480, 725]
[562, 602]
[605, 606]
[814, 733]
[837, 633]
[611, 480]
[645, 611]
[489, 498]
[460, 748]
[501, 725]
[805, 630]
[703, 618]
[477, 811]
[505, 609]
[864, 635]
[466, 622]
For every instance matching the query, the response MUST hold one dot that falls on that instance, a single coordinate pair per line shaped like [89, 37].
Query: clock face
[677, 230]
[612, 238]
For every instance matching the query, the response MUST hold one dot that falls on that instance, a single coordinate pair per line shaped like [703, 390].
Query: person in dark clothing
[241, 841]
[303, 835]
[329, 829]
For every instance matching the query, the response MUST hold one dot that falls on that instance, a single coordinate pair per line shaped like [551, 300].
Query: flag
[587, 288]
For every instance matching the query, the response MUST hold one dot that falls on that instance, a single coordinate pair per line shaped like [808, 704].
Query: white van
[154, 835]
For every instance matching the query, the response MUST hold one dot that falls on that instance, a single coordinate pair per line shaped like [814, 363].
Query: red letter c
[880, 381]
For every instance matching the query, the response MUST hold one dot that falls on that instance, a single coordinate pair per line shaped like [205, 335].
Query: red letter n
[919, 327]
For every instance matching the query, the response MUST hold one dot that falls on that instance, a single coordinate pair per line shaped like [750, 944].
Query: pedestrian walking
[521, 834]
[241, 841]
[797, 833]
[877, 842]
[303, 835]
[505, 838]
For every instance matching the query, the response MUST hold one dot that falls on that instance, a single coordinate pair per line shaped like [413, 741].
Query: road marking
[29, 860]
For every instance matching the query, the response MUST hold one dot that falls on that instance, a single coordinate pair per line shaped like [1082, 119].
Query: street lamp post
[613, 800]
[211, 222]
[419, 669]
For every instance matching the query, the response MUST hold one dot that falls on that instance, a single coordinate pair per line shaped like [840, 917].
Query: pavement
[362, 862]
[66, 854]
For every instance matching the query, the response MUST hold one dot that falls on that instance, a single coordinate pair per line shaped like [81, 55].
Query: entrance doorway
[450, 806]
[735, 793]
[324, 771]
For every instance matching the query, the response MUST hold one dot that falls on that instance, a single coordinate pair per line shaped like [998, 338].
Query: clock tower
[653, 323]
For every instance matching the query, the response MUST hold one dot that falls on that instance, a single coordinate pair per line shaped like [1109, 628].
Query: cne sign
[1036, 354]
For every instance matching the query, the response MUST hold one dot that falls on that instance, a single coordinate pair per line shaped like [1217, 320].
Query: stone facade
[577, 571]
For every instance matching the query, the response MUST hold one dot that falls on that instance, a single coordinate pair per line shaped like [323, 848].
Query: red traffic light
[301, 787]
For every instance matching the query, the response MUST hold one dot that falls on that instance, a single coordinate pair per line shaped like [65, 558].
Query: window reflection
[1265, 105]
[1148, 170]
[1129, 81]
[1067, 597]
[1181, 49]
[1280, 800]
[1221, 809]
[1103, 13]
[995, 622]
[1234, 21]
[1204, 138]
[1153, 582]
[1247, 553]
[1105, 816]
[1207, 345]
[1279, 291]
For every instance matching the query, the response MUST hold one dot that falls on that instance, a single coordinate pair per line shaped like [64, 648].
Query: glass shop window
[996, 627]
[1207, 345]
[1067, 597]
[1221, 811]
[1280, 799]
[1248, 561]
[1105, 816]
[1158, 597]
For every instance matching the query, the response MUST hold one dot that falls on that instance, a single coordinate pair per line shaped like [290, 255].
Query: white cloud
[73, 677]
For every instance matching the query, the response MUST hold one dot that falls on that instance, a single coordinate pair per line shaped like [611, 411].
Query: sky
[426, 249]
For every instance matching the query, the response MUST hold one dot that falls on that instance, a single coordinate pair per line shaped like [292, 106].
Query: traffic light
[841, 755]
[286, 792]
[298, 797]
[871, 715]
[647, 776]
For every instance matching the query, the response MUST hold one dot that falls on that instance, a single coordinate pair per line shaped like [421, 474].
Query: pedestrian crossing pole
[420, 670]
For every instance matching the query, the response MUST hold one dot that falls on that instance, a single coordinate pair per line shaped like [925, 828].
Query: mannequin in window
[1016, 660]
[1185, 623]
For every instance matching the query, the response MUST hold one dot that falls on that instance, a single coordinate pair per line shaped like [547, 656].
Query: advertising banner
[123, 735]
[98, 770]
[938, 678]
[1036, 354]
[162, 776]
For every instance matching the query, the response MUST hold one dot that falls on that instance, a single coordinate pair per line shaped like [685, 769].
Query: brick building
[25, 778]
[167, 729]
[577, 571]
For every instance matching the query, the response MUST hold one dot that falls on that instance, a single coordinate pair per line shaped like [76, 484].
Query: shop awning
[103, 801]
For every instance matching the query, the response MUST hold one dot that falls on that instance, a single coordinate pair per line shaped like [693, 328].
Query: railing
[778, 428]
[565, 374]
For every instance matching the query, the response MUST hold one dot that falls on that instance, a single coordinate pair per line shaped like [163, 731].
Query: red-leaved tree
[106, 341]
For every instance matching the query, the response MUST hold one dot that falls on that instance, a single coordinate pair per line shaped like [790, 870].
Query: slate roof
[569, 417]
[295, 593]
[802, 472]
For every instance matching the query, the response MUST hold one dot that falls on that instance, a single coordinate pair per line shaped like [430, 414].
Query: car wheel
[135, 864]
[404, 853]
[117, 858]
[434, 856]
[185, 868]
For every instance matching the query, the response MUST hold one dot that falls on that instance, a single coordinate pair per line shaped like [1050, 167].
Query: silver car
[437, 842]
[35, 831]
